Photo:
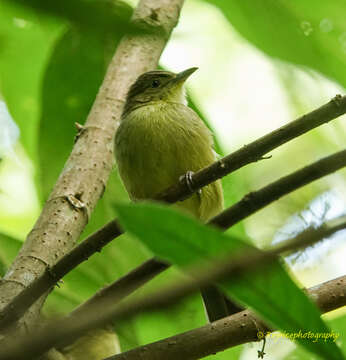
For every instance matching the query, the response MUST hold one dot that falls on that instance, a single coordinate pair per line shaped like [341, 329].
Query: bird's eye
[155, 83]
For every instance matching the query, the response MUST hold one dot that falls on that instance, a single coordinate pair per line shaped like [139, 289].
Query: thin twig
[101, 312]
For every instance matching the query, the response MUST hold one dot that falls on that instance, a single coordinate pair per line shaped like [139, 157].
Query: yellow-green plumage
[159, 140]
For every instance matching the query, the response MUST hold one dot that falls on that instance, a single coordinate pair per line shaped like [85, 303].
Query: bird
[160, 141]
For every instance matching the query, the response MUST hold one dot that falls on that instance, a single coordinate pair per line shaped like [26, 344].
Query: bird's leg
[187, 178]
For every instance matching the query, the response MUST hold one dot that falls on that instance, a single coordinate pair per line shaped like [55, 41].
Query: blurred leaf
[94, 16]
[25, 44]
[9, 248]
[338, 329]
[74, 74]
[291, 31]
[150, 327]
[194, 107]
[184, 241]
[234, 189]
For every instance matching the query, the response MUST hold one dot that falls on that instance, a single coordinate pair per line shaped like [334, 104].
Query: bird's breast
[156, 144]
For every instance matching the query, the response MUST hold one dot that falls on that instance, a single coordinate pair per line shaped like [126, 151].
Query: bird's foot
[187, 178]
[59, 282]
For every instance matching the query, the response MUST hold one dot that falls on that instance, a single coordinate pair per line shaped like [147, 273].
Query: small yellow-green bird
[159, 141]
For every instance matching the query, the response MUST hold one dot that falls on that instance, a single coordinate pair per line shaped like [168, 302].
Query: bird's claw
[59, 282]
[187, 178]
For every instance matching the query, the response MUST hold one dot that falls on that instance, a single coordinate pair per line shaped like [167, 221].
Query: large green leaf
[74, 74]
[115, 260]
[304, 32]
[184, 241]
[25, 45]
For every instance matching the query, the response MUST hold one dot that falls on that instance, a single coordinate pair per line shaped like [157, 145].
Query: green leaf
[149, 327]
[116, 259]
[95, 16]
[184, 241]
[74, 74]
[25, 45]
[291, 31]
[338, 328]
[9, 248]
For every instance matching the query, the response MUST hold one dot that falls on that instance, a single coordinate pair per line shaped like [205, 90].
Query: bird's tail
[217, 305]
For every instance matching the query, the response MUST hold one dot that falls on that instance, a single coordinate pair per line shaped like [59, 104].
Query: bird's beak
[182, 76]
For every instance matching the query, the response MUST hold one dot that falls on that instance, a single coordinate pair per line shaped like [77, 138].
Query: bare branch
[86, 172]
[101, 312]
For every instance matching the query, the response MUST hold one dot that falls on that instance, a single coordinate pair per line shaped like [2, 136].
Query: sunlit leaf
[291, 31]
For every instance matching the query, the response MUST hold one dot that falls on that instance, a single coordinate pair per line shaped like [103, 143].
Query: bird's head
[157, 86]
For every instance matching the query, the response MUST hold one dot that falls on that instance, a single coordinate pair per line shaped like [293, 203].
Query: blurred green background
[261, 64]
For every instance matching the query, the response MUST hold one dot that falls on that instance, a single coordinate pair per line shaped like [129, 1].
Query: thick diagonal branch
[101, 312]
[86, 171]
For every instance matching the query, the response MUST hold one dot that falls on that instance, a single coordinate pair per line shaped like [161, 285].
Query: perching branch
[86, 172]
[254, 151]
[234, 330]
[99, 313]
[247, 154]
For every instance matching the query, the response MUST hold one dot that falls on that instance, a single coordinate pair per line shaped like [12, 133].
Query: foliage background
[261, 64]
